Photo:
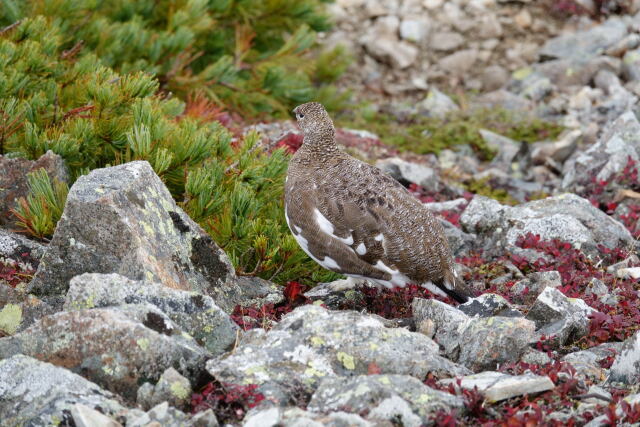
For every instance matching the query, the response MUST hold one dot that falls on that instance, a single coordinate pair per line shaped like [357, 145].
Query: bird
[352, 218]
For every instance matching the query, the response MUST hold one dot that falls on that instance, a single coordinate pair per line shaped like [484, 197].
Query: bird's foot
[346, 284]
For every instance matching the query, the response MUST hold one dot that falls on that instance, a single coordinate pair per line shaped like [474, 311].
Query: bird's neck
[319, 145]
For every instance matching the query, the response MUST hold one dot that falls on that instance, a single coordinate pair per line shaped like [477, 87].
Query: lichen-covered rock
[171, 387]
[115, 347]
[618, 143]
[296, 417]
[566, 217]
[37, 394]
[626, 366]
[196, 314]
[496, 386]
[587, 362]
[399, 398]
[560, 319]
[477, 343]
[442, 322]
[491, 341]
[123, 220]
[14, 184]
[19, 311]
[311, 343]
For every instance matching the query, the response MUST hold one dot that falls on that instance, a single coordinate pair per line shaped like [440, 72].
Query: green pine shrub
[70, 102]
[252, 56]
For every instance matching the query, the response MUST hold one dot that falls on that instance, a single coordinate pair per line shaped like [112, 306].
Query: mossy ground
[423, 135]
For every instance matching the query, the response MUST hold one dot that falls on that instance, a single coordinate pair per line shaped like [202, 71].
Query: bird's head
[314, 121]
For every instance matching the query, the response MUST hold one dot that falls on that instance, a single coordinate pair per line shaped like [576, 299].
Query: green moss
[10, 318]
[483, 188]
[431, 135]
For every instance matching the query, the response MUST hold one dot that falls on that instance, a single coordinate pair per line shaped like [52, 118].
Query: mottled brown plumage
[352, 218]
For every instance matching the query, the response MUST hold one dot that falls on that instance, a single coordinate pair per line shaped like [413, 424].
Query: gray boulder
[311, 343]
[566, 217]
[560, 319]
[581, 45]
[477, 343]
[399, 398]
[618, 143]
[402, 170]
[196, 314]
[115, 347]
[14, 184]
[123, 220]
[626, 366]
[37, 394]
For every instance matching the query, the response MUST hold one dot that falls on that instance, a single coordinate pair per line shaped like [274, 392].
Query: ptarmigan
[353, 219]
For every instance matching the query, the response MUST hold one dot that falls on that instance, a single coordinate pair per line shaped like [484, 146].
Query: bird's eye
[300, 115]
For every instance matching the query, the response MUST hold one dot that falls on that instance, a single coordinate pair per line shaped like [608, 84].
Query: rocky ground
[131, 315]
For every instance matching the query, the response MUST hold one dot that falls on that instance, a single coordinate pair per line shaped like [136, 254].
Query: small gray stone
[144, 397]
[631, 65]
[459, 62]
[436, 104]
[172, 388]
[446, 41]
[83, 416]
[490, 341]
[204, 419]
[414, 30]
[587, 362]
[560, 318]
[496, 386]
[558, 151]
[527, 290]
[535, 357]
[596, 287]
[422, 175]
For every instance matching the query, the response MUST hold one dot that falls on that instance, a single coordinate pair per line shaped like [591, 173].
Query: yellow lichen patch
[179, 390]
[143, 343]
[347, 360]
[384, 380]
[373, 346]
[311, 371]
[423, 398]
[317, 341]
[10, 318]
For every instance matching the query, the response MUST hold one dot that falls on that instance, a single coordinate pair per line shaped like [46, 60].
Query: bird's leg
[346, 284]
